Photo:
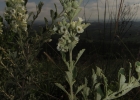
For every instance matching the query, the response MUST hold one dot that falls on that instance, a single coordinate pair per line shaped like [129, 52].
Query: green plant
[24, 77]
[67, 43]
[103, 91]
[21, 71]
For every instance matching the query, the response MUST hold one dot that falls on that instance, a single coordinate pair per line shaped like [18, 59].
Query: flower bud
[73, 25]
[69, 4]
[79, 29]
[75, 4]
[65, 6]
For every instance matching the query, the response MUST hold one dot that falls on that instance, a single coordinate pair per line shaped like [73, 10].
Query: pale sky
[90, 8]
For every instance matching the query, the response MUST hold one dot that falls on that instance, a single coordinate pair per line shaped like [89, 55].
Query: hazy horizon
[90, 9]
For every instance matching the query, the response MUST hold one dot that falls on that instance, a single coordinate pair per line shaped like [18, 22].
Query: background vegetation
[30, 64]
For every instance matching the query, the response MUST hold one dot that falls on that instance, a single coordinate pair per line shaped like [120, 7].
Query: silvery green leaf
[121, 81]
[98, 72]
[46, 21]
[138, 69]
[79, 55]
[64, 58]
[137, 65]
[134, 82]
[121, 71]
[132, 79]
[94, 77]
[86, 81]
[86, 89]
[69, 78]
[40, 6]
[98, 96]
[125, 85]
[109, 92]
[52, 13]
[86, 25]
[100, 89]
[62, 88]
[105, 85]
[79, 88]
[85, 92]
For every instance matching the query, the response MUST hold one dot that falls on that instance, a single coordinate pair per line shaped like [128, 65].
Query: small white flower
[69, 41]
[76, 38]
[55, 28]
[73, 24]
[13, 11]
[50, 40]
[58, 47]
[64, 29]
[20, 14]
[23, 8]
[79, 29]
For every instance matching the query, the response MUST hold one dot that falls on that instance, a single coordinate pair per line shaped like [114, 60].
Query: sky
[90, 7]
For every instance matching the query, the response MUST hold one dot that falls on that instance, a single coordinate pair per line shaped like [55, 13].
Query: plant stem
[71, 70]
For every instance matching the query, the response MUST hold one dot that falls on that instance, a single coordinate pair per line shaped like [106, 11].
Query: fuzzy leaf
[64, 58]
[52, 13]
[137, 65]
[69, 78]
[86, 25]
[46, 21]
[98, 96]
[99, 89]
[121, 71]
[122, 81]
[79, 55]
[30, 14]
[62, 88]
[86, 81]
[98, 72]
[94, 77]
[86, 90]
[79, 88]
